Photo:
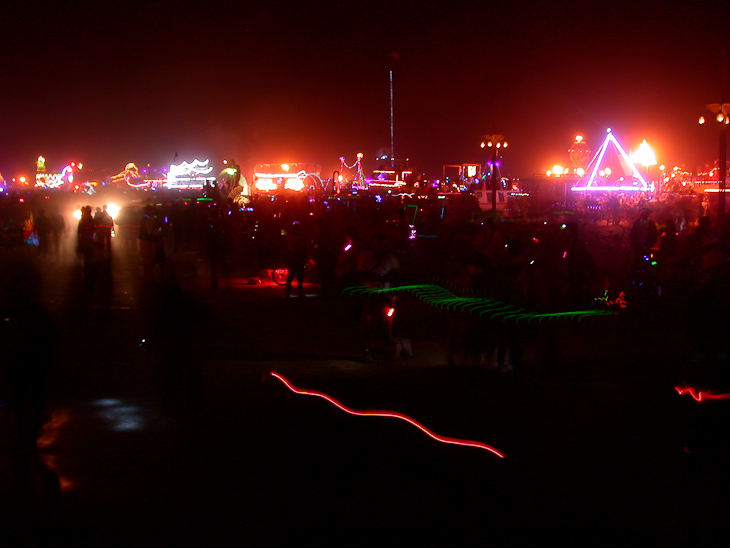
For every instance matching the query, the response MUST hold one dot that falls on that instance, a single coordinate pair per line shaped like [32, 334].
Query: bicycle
[280, 275]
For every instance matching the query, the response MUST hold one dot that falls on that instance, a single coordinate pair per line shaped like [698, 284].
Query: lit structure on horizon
[644, 155]
[44, 179]
[359, 179]
[494, 142]
[579, 155]
[722, 116]
[292, 176]
[131, 176]
[579, 159]
[389, 178]
[595, 174]
[189, 175]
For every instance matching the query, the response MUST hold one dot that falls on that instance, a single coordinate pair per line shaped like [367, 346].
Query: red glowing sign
[442, 439]
[700, 395]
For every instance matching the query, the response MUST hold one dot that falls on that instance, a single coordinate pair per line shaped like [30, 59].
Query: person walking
[643, 234]
[297, 255]
[42, 227]
[58, 232]
[85, 242]
[103, 227]
[147, 237]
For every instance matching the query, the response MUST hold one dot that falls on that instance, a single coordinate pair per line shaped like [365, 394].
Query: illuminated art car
[296, 177]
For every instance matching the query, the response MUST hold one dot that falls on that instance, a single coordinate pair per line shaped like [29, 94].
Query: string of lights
[359, 178]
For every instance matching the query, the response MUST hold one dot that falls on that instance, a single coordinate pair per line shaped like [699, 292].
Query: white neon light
[48, 180]
[271, 175]
[267, 182]
[193, 169]
[386, 183]
[183, 184]
[265, 185]
[622, 188]
[294, 184]
[131, 176]
[596, 162]
[188, 175]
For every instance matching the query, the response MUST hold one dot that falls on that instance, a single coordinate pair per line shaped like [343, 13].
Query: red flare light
[698, 395]
[371, 413]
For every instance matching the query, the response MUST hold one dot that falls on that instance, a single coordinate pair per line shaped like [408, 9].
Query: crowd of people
[652, 251]
[657, 260]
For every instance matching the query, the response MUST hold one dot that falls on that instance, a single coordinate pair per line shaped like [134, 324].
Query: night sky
[106, 83]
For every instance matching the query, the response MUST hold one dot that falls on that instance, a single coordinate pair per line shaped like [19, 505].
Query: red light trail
[442, 439]
[699, 395]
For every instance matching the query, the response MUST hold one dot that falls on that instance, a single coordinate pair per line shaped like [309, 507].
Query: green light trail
[444, 299]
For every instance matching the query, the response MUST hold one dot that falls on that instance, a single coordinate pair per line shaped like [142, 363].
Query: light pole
[335, 176]
[720, 110]
[495, 142]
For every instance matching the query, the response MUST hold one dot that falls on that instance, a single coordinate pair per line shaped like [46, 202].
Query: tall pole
[721, 111]
[723, 147]
[494, 178]
[723, 171]
[495, 142]
[392, 150]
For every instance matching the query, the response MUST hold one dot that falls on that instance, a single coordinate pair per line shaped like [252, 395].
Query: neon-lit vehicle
[297, 177]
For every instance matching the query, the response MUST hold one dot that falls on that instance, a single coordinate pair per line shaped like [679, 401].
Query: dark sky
[106, 83]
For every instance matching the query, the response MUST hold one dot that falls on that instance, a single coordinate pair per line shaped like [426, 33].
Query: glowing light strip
[698, 395]
[622, 188]
[438, 296]
[276, 175]
[386, 184]
[596, 162]
[442, 439]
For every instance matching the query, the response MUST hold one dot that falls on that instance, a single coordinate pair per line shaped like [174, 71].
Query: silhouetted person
[581, 270]
[297, 255]
[347, 261]
[500, 335]
[643, 234]
[376, 267]
[104, 224]
[668, 241]
[701, 240]
[85, 242]
[42, 226]
[212, 238]
[326, 252]
[58, 232]
[147, 236]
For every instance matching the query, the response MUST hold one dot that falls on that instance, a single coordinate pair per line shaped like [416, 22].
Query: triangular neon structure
[591, 180]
